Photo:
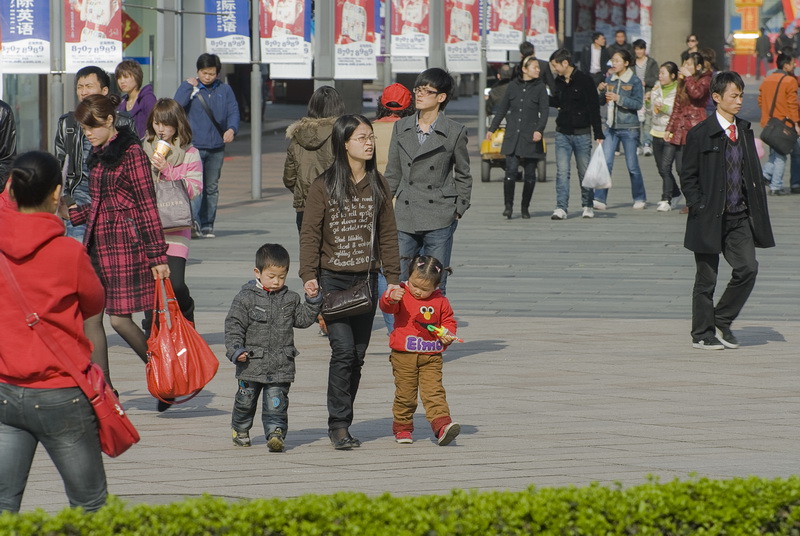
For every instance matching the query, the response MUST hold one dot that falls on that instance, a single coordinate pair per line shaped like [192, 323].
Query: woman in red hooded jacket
[39, 400]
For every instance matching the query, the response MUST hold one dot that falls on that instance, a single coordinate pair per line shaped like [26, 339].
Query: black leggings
[177, 275]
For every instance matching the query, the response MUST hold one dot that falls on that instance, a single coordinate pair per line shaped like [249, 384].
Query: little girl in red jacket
[416, 356]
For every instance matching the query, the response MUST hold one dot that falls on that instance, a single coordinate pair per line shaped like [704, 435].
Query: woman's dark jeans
[63, 421]
[349, 339]
[669, 188]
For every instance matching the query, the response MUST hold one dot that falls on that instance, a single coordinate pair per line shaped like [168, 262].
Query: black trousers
[739, 252]
[349, 339]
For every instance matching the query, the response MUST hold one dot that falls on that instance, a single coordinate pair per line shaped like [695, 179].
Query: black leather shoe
[342, 443]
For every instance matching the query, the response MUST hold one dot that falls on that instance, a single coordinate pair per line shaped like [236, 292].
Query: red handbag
[181, 363]
[116, 432]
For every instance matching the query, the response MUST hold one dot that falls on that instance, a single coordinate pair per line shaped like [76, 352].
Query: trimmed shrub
[740, 506]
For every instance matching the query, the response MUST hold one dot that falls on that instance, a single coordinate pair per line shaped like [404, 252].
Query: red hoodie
[60, 285]
[411, 319]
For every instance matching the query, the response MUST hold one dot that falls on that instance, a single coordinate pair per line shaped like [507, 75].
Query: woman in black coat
[526, 104]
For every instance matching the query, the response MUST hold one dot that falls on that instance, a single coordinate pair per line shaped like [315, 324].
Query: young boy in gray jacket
[259, 339]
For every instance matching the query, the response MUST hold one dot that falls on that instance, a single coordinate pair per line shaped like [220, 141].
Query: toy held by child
[259, 339]
[416, 356]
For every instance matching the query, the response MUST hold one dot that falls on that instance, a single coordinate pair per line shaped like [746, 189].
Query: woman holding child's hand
[343, 208]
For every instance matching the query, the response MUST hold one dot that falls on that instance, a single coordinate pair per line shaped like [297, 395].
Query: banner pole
[255, 102]
[482, 76]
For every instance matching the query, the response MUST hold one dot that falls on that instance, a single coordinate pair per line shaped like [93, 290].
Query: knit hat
[396, 97]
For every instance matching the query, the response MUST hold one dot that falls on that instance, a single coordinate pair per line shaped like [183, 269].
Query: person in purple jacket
[138, 101]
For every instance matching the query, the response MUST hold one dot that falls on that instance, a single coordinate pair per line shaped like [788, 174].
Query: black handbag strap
[35, 323]
[204, 104]
[775, 98]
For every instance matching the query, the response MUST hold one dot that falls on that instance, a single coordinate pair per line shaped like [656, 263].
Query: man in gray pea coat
[428, 173]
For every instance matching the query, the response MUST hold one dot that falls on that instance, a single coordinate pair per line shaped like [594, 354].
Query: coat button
[410, 183]
[430, 201]
[406, 202]
[430, 187]
[433, 167]
[408, 164]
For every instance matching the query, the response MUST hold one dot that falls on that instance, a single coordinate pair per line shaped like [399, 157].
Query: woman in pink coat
[123, 230]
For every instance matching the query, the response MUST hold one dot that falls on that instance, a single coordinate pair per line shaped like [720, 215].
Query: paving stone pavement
[577, 365]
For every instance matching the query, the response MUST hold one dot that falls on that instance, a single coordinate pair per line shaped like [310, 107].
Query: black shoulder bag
[356, 300]
[779, 134]
[204, 104]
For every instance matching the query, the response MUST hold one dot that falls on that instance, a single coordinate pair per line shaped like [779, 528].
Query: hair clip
[438, 269]
[420, 264]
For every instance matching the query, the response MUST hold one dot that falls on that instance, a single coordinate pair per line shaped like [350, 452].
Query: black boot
[527, 193]
[508, 196]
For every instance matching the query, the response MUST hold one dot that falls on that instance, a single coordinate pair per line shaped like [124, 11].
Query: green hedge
[701, 506]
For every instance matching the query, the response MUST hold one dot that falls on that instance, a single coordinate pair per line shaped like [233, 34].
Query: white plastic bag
[597, 175]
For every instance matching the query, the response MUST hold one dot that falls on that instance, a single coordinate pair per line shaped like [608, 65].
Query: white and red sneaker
[448, 433]
[403, 437]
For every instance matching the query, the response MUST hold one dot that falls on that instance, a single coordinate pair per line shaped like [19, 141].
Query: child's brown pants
[418, 373]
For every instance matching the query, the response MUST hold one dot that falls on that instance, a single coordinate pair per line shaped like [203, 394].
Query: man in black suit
[721, 179]
[595, 57]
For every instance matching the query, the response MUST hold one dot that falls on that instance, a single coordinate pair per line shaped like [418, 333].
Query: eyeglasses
[364, 139]
[424, 92]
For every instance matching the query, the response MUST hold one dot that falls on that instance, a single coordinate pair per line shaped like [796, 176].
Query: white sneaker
[588, 212]
[647, 151]
[639, 205]
[559, 214]
[663, 206]
[598, 205]
[617, 153]
[639, 151]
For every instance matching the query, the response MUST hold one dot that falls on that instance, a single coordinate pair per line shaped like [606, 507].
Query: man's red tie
[732, 133]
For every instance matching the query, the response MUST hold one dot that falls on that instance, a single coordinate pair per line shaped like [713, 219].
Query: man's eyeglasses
[364, 139]
[424, 92]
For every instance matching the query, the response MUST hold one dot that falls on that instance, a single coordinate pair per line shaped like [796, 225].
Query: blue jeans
[204, 207]
[388, 319]
[64, 422]
[774, 168]
[794, 171]
[349, 338]
[566, 144]
[274, 406]
[630, 140]
[437, 243]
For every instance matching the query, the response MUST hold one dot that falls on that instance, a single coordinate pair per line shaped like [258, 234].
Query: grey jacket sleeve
[393, 173]
[305, 312]
[461, 172]
[236, 324]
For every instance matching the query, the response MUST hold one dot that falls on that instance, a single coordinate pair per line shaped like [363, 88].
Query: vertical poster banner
[505, 24]
[355, 39]
[92, 34]
[462, 45]
[583, 23]
[299, 69]
[227, 31]
[410, 28]
[25, 27]
[285, 28]
[542, 27]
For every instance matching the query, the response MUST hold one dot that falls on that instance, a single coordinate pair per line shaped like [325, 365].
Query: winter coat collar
[112, 155]
[626, 76]
[311, 133]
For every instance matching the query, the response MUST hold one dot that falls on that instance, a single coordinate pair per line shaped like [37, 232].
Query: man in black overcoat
[721, 179]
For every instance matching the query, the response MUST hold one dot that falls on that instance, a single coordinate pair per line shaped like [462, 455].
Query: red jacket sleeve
[91, 294]
[388, 307]
[448, 319]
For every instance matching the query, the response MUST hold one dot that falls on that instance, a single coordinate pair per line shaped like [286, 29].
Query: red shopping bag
[181, 363]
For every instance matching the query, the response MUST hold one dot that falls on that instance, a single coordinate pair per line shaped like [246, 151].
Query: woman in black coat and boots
[526, 104]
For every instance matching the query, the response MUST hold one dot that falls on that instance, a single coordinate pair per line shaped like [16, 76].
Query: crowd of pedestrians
[377, 208]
